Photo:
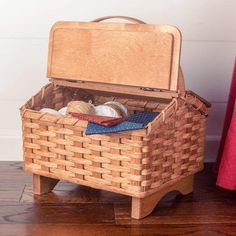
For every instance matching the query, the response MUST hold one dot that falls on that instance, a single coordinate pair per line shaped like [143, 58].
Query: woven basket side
[49, 96]
[197, 102]
[58, 148]
[134, 163]
[177, 143]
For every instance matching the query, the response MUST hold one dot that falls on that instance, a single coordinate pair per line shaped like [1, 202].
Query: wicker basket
[135, 163]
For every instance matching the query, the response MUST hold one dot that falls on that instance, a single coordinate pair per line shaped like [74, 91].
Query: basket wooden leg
[142, 207]
[43, 184]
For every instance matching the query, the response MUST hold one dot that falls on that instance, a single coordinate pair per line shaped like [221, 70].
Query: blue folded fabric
[137, 121]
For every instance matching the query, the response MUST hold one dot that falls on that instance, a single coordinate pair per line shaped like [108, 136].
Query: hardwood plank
[78, 210]
[117, 230]
[57, 214]
[180, 213]
[12, 172]
[11, 192]
[71, 193]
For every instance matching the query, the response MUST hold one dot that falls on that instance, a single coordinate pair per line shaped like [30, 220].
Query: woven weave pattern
[134, 163]
[177, 146]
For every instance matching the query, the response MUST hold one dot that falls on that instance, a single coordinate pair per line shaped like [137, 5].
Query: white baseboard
[11, 146]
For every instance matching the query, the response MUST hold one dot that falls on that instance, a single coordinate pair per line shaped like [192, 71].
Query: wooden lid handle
[128, 18]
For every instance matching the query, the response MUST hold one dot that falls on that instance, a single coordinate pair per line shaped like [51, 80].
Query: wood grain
[65, 213]
[42, 185]
[11, 192]
[78, 210]
[125, 54]
[68, 193]
[107, 230]
[141, 207]
[116, 89]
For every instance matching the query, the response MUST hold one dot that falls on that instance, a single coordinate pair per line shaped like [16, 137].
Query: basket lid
[130, 54]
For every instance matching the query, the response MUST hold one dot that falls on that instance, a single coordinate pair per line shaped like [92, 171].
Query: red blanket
[226, 161]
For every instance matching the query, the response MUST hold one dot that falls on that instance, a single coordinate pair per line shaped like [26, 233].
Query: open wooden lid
[136, 54]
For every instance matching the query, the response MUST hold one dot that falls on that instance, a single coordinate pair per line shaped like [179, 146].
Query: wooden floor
[75, 210]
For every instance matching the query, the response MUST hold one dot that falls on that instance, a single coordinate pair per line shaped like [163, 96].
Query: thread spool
[119, 107]
[80, 107]
[105, 110]
[63, 111]
[50, 111]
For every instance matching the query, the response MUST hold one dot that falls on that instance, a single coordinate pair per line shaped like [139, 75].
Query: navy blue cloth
[137, 121]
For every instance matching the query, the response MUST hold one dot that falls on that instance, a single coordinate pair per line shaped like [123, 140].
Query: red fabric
[101, 120]
[226, 161]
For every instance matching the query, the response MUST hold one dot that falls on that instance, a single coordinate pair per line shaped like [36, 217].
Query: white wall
[209, 48]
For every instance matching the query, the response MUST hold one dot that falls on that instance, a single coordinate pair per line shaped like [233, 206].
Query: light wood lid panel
[140, 55]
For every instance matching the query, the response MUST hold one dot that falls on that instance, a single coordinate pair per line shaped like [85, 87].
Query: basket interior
[58, 97]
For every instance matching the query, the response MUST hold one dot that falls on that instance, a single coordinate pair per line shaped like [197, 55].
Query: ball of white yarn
[120, 106]
[63, 111]
[49, 111]
[80, 107]
[104, 110]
